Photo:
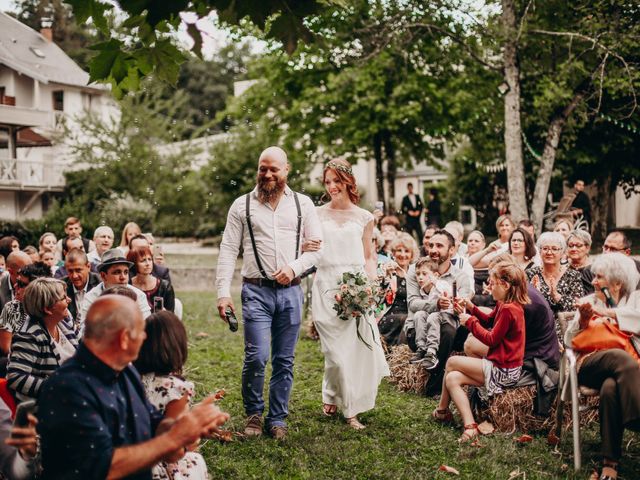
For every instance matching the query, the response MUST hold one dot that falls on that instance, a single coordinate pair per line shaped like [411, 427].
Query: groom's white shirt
[275, 236]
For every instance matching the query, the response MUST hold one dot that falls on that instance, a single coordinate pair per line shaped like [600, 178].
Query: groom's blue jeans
[271, 322]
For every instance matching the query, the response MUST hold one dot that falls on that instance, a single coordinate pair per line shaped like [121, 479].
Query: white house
[40, 87]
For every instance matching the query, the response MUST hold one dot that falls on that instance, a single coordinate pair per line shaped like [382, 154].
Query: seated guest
[558, 284]
[404, 251]
[158, 270]
[114, 270]
[46, 340]
[8, 244]
[18, 447]
[160, 362]
[153, 287]
[475, 243]
[618, 241]
[48, 258]
[502, 366]
[522, 249]
[441, 247]
[47, 241]
[529, 227]
[614, 369]
[103, 239]
[68, 244]
[504, 226]
[13, 314]
[80, 280]
[389, 228]
[32, 252]
[564, 227]
[456, 229]
[15, 261]
[95, 419]
[428, 233]
[578, 247]
[457, 259]
[129, 231]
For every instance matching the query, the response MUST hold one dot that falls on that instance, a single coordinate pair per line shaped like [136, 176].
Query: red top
[506, 338]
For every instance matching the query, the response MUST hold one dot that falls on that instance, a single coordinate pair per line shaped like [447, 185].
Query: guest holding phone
[18, 445]
[159, 292]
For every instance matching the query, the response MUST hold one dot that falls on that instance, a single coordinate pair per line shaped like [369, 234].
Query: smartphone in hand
[22, 413]
[231, 319]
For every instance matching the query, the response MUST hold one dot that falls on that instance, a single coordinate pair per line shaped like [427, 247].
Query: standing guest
[15, 261]
[529, 227]
[612, 371]
[159, 271]
[103, 239]
[8, 244]
[504, 226]
[559, 285]
[79, 280]
[151, 286]
[354, 362]
[129, 231]
[114, 270]
[412, 208]
[441, 248]
[404, 251]
[581, 204]
[428, 233]
[522, 249]
[45, 341]
[564, 227]
[73, 228]
[160, 362]
[95, 420]
[32, 252]
[18, 447]
[578, 248]
[47, 241]
[434, 213]
[279, 220]
[502, 366]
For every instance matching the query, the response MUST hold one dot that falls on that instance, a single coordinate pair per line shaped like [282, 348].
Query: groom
[269, 223]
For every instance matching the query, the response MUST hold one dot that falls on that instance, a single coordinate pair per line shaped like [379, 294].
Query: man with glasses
[617, 241]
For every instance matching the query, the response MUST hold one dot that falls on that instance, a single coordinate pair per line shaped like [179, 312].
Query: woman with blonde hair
[502, 365]
[354, 360]
[129, 231]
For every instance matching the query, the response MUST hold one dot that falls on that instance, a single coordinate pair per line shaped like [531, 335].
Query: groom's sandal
[329, 410]
[253, 427]
[442, 416]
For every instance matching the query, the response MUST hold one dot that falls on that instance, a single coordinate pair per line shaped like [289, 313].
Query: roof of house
[28, 52]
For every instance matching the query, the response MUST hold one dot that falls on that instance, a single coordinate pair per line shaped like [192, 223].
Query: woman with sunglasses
[560, 285]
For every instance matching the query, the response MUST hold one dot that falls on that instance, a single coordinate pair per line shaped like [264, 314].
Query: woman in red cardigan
[502, 366]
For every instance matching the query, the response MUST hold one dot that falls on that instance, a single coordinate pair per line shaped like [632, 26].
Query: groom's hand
[223, 304]
[284, 275]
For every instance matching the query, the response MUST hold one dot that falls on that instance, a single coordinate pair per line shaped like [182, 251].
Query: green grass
[400, 440]
[190, 260]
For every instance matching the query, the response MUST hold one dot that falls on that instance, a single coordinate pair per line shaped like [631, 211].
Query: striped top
[34, 356]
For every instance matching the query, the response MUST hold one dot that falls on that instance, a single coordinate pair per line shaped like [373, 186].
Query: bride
[352, 370]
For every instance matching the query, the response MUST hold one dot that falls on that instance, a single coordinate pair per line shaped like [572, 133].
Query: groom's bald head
[273, 169]
[275, 155]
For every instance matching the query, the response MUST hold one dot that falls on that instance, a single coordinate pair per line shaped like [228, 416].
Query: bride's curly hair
[343, 171]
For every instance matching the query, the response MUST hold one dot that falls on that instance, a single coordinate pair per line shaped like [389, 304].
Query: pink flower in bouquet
[368, 291]
[338, 297]
[344, 288]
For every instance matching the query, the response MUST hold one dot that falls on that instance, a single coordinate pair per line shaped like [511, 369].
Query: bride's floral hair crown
[337, 166]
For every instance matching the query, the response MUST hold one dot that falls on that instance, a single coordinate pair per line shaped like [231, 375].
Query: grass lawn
[400, 440]
[190, 260]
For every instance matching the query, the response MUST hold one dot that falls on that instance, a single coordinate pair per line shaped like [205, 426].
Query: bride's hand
[311, 245]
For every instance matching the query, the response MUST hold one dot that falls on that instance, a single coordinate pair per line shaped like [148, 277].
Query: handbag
[603, 335]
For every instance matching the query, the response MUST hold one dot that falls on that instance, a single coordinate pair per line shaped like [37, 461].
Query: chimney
[45, 29]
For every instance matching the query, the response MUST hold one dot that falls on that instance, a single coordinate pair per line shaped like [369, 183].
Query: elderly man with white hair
[103, 238]
[560, 285]
[612, 370]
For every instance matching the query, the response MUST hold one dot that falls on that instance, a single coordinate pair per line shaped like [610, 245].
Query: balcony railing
[28, 175]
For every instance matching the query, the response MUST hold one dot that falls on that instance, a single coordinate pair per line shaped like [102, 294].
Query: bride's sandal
[442, 416]
[354, 423]
[329, 410]
[466, 436]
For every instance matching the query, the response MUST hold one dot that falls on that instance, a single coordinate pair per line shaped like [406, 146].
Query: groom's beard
[270, 189]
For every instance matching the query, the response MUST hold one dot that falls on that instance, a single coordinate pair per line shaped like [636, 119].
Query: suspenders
[251, 235]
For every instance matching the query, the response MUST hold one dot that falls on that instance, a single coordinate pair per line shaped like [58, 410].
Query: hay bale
[405, 376]
[513, 410]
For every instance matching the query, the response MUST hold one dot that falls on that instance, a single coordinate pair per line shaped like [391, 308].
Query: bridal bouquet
[357, 297]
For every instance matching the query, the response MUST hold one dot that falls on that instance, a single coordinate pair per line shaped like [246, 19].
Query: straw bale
[405, 376]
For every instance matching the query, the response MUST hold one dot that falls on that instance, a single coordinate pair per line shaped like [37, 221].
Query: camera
[231, 319]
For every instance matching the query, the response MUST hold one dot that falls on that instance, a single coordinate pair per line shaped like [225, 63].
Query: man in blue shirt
[95, 420]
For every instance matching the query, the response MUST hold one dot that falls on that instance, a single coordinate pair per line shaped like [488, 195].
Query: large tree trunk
[512, 125]
[554, 132]
[377, 153]
[600, 217]
[392, 167]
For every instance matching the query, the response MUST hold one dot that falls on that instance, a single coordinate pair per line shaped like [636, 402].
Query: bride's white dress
[352, 371]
